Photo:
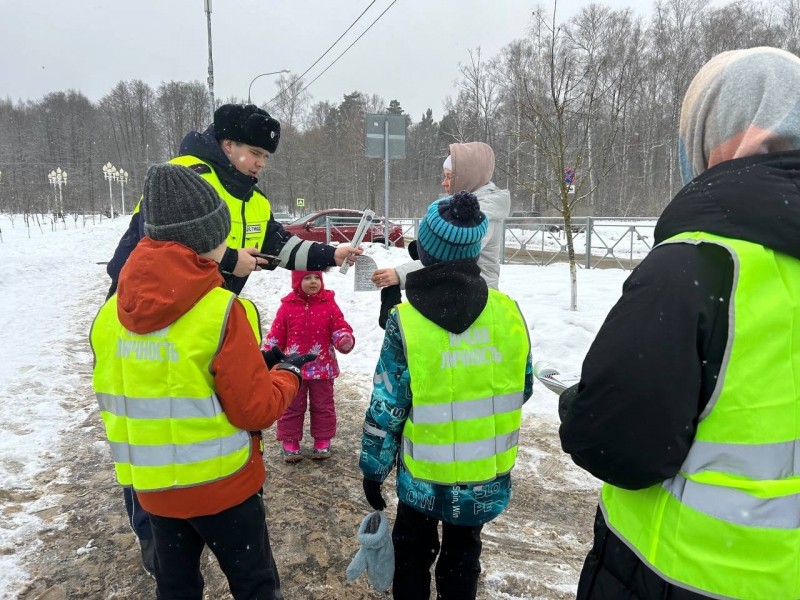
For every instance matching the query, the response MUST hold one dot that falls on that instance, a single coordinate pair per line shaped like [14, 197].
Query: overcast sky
[412, 53]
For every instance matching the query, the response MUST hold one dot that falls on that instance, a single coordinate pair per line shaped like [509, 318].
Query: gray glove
[376, 554]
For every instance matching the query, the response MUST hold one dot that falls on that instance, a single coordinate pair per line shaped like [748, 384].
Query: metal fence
[598, 242]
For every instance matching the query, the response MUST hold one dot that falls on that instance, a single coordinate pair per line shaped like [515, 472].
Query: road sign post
[385, 138]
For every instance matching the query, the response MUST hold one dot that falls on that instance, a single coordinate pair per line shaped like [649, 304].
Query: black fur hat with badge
[247, 124]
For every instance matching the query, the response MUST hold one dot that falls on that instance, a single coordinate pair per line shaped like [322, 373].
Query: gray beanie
[180, 206]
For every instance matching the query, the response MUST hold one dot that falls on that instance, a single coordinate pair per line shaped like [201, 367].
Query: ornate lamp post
[262, 75]
[110, 174]
[57, 178]
[122, 177]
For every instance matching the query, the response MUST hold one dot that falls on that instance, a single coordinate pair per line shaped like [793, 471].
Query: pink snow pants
[319, 394]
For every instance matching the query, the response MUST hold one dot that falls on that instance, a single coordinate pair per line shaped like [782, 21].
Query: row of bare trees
[600, 93]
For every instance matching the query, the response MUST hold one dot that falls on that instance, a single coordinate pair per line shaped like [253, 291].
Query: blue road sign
[569, 175]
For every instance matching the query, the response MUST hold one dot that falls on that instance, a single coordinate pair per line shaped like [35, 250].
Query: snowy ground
[62, 527]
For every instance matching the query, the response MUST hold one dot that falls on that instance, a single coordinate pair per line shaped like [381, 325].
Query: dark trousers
[416, 545]
[137, 516]
[239, 539]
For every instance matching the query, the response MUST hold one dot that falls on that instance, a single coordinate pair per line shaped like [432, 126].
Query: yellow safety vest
[467, 394]
[165, 424]
[728, 525]
[248, 219]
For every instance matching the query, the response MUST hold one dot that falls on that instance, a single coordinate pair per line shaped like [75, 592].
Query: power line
[340, 56]
[332, 45]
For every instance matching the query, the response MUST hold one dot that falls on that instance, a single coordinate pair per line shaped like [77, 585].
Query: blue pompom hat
[452, 229]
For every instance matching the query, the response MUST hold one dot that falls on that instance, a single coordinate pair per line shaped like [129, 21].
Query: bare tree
[584, 95]
[181, 107]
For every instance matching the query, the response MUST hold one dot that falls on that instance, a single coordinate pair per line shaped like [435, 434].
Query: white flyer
[364, 268]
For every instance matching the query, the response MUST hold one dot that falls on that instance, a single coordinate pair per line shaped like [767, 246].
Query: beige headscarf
[472, 166]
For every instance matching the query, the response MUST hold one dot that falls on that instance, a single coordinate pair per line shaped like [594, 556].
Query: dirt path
[532, 551]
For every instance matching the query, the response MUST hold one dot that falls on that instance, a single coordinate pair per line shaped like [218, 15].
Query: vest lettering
[146, 350]
[468, 358]
[471, 337]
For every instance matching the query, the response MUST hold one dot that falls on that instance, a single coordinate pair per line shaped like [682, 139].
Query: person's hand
[247, 263]
[273, 356]
[345, 252]
[385, 277]
[295, 362]
[343, 340]
[372, 491]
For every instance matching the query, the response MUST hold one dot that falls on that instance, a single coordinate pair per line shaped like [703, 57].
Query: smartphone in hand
[272, 260]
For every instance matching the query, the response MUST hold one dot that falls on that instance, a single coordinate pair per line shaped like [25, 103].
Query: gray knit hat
[180, 206]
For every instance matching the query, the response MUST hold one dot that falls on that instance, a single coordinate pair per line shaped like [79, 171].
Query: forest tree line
[600, 92]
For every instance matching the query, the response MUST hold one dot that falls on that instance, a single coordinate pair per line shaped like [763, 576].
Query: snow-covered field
[52, 283]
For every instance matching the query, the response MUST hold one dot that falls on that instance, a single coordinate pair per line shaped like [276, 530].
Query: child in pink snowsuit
[309, 320]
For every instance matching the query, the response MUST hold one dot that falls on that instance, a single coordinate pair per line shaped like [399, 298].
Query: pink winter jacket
[311, 324]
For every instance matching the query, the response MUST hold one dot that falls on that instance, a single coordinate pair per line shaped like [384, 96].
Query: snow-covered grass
[51, 285]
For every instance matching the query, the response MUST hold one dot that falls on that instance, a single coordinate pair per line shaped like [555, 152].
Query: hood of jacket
[206, 147]
[495, 203]
[472, 166]
[452, 294]
[160, 282]
[298, 296]
[297, 280]
[755, 199]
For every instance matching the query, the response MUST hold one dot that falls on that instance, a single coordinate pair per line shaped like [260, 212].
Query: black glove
[372, 490]
[390, 296]
[273, 356]
[295, 362]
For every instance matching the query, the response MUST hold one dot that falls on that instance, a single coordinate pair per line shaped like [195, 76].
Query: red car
[342, 224]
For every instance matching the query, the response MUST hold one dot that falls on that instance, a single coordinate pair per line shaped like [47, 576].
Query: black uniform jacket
[206, 147]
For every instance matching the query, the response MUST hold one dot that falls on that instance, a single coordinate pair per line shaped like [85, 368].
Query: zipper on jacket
[244, 226]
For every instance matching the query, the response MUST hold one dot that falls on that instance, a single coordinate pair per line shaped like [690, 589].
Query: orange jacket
[158, 284]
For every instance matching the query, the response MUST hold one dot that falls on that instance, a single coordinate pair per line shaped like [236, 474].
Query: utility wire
[332, 45]
[338, 57]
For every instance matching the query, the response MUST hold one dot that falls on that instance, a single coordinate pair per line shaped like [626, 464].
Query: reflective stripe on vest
[467, 391]
[248, 219]
[728, 526]
[166, 426]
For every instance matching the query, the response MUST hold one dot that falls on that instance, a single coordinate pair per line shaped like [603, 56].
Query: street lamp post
[210, 58]
[262, 75]
[122, 176]
[57, 178]
[110, 173]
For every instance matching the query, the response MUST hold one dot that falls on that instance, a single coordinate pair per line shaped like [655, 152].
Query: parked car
[529, 219]
[524, 213]
[522, 219]
[343, 225]
[282, 217]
